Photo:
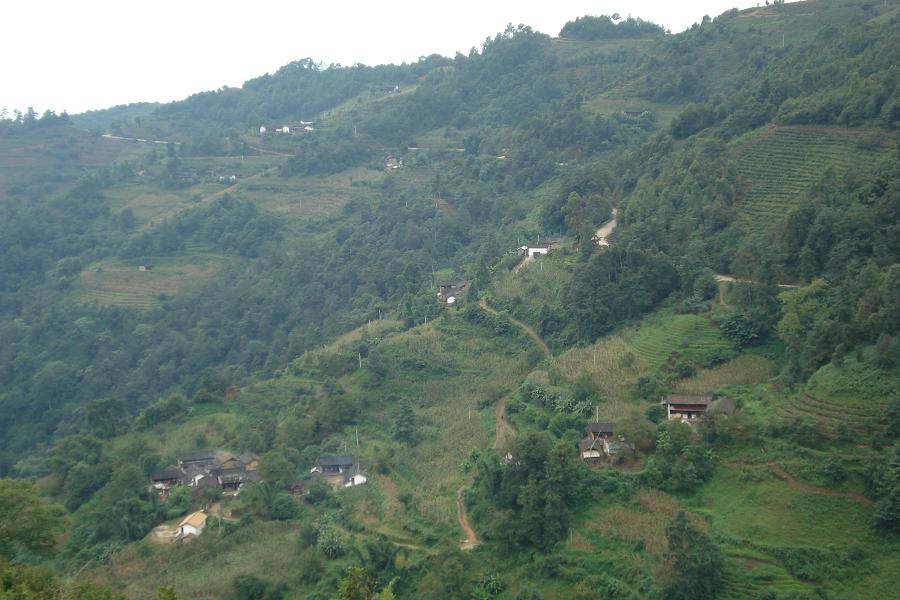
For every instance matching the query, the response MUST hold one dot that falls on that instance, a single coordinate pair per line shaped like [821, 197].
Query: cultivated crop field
[780, 163]
[691, 336]
[310, 196]
[745, 369]
[121, 283]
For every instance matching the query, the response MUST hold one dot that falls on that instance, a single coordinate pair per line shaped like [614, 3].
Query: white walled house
[192, 525]
[533, 250]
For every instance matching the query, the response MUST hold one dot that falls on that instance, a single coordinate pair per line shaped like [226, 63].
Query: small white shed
[193, 524]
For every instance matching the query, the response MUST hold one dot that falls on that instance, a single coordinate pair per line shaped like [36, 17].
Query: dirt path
[272, 152]
[503, 428]
[525, 261]
[721, 277]
[604, 231]
[812, 489]
[502, 431]
[471, 538]
[526, 328]
[110, 136]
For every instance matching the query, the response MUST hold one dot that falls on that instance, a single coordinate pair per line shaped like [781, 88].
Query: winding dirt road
[720, 277]
[501, 432]
[540, 343]
[604, 231]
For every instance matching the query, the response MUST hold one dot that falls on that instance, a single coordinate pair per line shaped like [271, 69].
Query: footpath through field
[720, 277]
[501, 432]
[526, 328]
[604, 231]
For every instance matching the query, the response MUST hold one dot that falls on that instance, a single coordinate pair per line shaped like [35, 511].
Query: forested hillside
[263, 271]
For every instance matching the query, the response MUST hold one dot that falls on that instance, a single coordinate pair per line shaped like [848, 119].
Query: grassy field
[780, 163]
[116, 282]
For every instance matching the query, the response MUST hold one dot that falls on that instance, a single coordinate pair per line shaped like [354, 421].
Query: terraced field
[310, 196]
[747, 577]
[114, 282]
[830, 412]
[689, 335]
[779, 164]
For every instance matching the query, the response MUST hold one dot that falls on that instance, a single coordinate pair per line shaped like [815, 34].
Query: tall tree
[27, 521]
[696, 560]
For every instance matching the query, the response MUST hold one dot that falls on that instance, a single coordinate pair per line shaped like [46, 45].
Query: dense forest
[722, 211]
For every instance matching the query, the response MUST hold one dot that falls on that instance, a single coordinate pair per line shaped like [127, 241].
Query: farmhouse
[333, 464]
[449, 290]
[539, 248]
[600, 443]
[634, 113]
[166, 478]
[685, 408]
[201, 459]
[250, 460]
[191, 526]
[339, 471]
[392, 163]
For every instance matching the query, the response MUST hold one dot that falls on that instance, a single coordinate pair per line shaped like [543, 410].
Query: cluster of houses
[602, 444]
[216, 469]
[392, 163]
[302, 127]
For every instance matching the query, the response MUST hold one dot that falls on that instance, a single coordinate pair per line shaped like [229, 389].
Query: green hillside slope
[721, 214]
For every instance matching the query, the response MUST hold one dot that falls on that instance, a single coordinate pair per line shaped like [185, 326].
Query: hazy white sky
[87, 54]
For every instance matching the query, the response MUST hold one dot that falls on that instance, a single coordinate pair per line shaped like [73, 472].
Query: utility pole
[359, 356]
[357, 437]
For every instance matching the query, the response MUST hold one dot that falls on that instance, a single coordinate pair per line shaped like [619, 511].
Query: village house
[537, 249]
[595, 445]
[689, 409]
[392, 163]
[201, 459]
[449, 290]
[191, 526]
[339, 471]
[250, 460]
[333, 464]
[601, 443]
[634, 113]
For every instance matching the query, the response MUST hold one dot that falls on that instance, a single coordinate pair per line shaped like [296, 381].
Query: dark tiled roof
[248, 457]
[335, 460]
[196, 456]
[166, 474]
[679, 399]
[602, 427]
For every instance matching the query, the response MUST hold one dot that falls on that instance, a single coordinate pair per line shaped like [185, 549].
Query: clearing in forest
[123, 283]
